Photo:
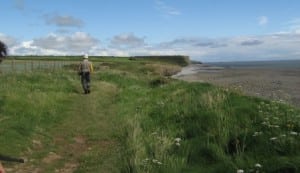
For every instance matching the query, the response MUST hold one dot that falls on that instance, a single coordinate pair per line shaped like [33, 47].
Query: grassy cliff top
[172, 59]
[138, 119]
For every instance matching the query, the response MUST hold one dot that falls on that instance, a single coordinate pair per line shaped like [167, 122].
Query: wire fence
[9, 66]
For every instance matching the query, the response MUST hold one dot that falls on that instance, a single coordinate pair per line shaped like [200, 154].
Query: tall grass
[30, 102]
[174, 126]
[164, 125]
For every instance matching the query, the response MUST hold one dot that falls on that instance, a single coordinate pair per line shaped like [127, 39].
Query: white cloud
[277, 46]
[63, 20]
[263, 20]
[77, 42]
[127, 40]
[265, 47]
[53, 44]
[165, 9]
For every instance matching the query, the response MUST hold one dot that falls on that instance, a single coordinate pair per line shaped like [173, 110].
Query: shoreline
[265, 82]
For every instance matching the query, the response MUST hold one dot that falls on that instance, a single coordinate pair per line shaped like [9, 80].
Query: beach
[278, 81]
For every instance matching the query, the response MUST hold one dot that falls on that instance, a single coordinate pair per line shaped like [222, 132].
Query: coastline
[274, 83]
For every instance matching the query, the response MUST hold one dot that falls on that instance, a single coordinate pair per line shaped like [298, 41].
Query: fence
[8, 66]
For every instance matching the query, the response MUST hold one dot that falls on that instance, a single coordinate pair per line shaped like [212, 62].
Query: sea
[258, 64]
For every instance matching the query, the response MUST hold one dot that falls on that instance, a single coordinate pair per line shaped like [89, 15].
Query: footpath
[84, 142]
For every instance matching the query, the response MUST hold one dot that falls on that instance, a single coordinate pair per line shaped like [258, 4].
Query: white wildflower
[273, 139]
[257, 133]
[284, 135]
[177, 140]
[240, 171]
[145, 161]
[257, 165]
[177, 143]
[159, 163]
[293, 133]
[154, 160]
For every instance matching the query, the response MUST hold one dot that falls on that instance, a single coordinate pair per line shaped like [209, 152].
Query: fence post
[32, 65]
[13, 65]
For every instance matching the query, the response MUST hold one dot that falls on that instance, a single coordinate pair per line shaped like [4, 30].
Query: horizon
[192, 61]
[206, 31]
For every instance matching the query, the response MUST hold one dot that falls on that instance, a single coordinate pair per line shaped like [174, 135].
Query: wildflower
[257, 134]
[293, 133]
[257, 165]
[159, 163]
[264, 123]
[240, 171]
[273, 139]
[145, 161]
[177, 140]
[177, 143]
[154, 160]
[283, 135]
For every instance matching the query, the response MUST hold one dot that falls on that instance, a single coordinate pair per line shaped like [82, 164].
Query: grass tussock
[162, 69]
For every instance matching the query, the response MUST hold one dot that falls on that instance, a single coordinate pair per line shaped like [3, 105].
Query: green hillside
[139, 120]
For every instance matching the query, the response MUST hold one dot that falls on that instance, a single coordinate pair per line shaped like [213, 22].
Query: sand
[270, 83]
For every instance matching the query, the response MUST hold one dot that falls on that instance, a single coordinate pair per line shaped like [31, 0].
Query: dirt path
[84, 142]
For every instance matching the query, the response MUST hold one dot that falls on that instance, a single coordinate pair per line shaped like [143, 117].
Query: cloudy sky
[205, 30]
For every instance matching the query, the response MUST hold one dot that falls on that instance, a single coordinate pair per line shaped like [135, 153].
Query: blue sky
[205, 30]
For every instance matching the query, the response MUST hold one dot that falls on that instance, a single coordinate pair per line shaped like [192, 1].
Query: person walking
[85, 70]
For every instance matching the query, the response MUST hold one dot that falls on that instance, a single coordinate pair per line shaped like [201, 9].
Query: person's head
[85, 56]
[3, 51]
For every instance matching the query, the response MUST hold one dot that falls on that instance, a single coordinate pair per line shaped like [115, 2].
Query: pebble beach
[279, 83]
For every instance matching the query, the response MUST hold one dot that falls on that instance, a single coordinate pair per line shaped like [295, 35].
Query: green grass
[139, 120]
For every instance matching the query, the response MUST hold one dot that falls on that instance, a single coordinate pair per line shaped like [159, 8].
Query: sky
[204, 30]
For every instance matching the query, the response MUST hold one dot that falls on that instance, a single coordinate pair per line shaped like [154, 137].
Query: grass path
[86, 140]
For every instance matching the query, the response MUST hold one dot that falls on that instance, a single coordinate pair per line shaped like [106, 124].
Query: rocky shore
[270, 83]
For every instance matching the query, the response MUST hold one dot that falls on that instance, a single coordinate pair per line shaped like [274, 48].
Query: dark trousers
[85, 82]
